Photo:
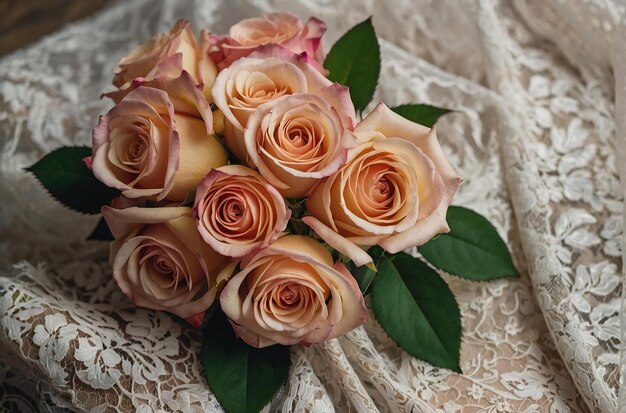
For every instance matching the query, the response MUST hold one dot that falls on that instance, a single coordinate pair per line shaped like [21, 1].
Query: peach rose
[238, 212]
[284, 29]
[160, 261]
[266, 75]
[291, 292]
[157, 143]
[166, 56]
[394, 190]
[298, 139]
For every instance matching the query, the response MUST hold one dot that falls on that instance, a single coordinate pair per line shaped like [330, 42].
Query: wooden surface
[24, 21]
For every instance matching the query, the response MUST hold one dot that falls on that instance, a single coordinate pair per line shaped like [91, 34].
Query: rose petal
[186, 97]
[390, 124]
[311, 38]
[122, 221]
[355, 312]
[341, 244]
[338, 96]
[422, 232]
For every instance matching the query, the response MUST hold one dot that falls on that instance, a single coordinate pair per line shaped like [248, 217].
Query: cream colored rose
[156, 143]
[160, 261]
[284, 29]
[298, 139]
[394, 190]
[166, 56]
[238, 212]
[291, 292]
[266, 75]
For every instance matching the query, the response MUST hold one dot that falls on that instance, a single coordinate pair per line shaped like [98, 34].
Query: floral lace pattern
[532, 135]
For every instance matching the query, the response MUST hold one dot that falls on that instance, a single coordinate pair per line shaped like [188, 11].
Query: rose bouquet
[243, 190]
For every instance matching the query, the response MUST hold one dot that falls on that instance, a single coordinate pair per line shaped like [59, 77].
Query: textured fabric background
[538, 88]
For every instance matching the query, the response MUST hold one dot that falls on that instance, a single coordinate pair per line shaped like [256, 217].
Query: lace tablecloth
[539, 90]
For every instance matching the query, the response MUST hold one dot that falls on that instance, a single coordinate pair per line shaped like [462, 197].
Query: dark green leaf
[64, 174]
[472, 249]
[364, 275]
[423, 114]
[101, 232]
[418, 311]
[244, 379]
[354, 61]
[210, 313]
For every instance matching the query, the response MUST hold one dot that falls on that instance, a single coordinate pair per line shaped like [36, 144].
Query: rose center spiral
[287, 295]
[137, 149]
[383, 189]
[163, 265]
[298, 137]
[232, 211]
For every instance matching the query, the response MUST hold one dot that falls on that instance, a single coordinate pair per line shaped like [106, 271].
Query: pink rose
[291, 292]
[393, 191]
[266, 75]
[238, 212]
[166, 56]
[157, 143]
[298, 139]
[160, 261]
[283, 29]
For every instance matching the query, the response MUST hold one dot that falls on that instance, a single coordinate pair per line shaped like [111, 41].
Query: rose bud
[393, 191]
[166, 56]
[238, 212]
[266, 75]
[283, 29]
[291, 292]
[160, 261]
[156, 143]
[298, 139]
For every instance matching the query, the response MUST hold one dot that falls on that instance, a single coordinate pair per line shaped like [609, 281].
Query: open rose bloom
[393, 191]
[291, 292]
[298, 139]
[157, 143]
[167, 56]
[283, 29]
[160, 261]
[308, 185]
[238, 212]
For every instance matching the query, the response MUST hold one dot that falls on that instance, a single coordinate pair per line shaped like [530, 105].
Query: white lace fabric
[538, 133]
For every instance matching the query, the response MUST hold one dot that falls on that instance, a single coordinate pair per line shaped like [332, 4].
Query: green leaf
[101, 232]
[472, 249]
[423, 114]
[354, 61]
[64, 174]
[244, 379]
[364, 275]
[418, 311]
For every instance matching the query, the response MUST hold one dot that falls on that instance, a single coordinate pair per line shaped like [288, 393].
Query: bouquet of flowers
[244, 190]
